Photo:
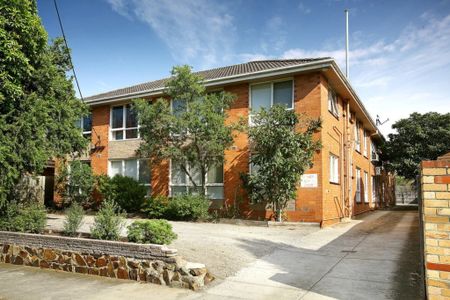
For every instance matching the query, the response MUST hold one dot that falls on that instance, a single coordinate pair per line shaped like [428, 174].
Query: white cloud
[303, 8]
[195, 31]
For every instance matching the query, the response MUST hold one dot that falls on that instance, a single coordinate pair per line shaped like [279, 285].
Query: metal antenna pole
[347, 74]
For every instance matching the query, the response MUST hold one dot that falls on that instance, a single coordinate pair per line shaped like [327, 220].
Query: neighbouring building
[347, 178]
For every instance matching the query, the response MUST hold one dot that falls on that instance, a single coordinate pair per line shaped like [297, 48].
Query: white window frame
[365, 152]
[84, 133]
[358, 185]
[334, 168]
[148, 184]
[373, 151]
[272, 82]
[123, 128]
[357, 136]
[366, 187]
[333, 103]
[189, 184]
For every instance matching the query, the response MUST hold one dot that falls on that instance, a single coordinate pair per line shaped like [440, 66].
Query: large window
[138, 169]
[374, 152]
[180, 183]
[358, 137]
[85, 124]
[334, 168]
[358, 185]
[366, 187]
[333, 103]
[268, 94]
[124, 124]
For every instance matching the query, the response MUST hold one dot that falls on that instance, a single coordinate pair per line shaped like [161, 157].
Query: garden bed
[123, 260]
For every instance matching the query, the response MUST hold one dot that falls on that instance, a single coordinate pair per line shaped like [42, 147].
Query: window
[333, 103]
[374, 152]
[334, 168]
[124, 125]
[366, 144]
[268, 94]
[180, 183]
[138, 169]
[85, 124]
[375, 197]
[358, 185]
[357, 137]
[366, 187]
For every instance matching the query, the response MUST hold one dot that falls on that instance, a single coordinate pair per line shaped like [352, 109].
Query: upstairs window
[333, 103]
[269, 94]
[374, 152]
[85, 124]
[366, 144]
[358, 137]
[334, 168]
[124, 125]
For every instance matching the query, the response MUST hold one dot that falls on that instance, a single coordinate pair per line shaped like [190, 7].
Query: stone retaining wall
[141, 262]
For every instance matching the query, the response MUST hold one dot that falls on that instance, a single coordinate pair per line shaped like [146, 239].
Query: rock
[15, 250]
[44, 264]
[158, 266]
[122, 261]
[133, 264]
[61, 259]
[23, 253]
[198, 271]
[133, 273]
[90, 260]
[80, 260]
[49, 254]
[101, 262]
[18, 260]
[104, 272]
[122, 273]
[35, 261]
[5, 248]
[208, 278]
[68, 268]
[168, 275]
[82, 270]
[93, 271]
[184, 271]
[7, 258]
[110, 269]
[142, 276]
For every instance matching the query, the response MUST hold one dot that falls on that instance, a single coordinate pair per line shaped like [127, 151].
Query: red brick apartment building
[347, 178]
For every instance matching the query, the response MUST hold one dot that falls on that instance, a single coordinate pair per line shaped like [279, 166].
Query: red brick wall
[100, 138]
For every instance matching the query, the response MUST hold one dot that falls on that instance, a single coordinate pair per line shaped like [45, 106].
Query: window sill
[335, 183]
[125, 140]
[334, 115]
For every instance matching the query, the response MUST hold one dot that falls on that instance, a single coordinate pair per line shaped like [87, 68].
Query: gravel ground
[223, 248]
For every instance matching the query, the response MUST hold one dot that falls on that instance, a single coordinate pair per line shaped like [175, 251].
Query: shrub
[105, 187]
[130, 194]
[8, 215]
[31, 218]
[151, 231]
[108, 222]
[76, 183]
[155, 207]
[74, 217]
[188, 208]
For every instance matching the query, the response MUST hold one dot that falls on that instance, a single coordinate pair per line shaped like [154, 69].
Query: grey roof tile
[217, 73]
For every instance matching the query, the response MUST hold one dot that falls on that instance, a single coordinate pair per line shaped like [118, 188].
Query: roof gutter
[223, 80]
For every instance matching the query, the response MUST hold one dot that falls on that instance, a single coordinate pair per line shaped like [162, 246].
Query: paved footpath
[376, 257]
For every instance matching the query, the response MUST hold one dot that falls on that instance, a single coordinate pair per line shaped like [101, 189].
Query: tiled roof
[217, 73]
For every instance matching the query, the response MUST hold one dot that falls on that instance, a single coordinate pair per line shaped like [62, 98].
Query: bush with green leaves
[31, 217]
[156, 207]
[108, 222]
[76, 183]
[129, 193]
[151, 232]
[189, 207]
[105, 187]
[74, 217]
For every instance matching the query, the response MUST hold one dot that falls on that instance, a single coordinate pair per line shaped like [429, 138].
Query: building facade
[347, 177]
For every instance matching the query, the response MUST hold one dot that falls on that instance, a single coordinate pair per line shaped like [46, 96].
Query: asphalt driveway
[376, 257]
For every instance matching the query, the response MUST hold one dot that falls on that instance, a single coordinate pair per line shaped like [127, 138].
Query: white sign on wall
[308, 181]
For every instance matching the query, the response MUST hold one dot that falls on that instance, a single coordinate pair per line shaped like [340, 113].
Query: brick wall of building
[435, 183]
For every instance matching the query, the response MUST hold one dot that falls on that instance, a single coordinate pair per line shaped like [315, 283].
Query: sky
[399, 50]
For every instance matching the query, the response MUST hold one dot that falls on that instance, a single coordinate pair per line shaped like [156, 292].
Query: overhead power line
[70, 56]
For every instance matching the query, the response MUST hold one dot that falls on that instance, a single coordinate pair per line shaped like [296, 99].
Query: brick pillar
[435, 180]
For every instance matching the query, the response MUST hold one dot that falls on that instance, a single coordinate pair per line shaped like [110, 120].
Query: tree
[280, 153]
[419, 137]
[75, 183]
[194, 133]
[38, 107]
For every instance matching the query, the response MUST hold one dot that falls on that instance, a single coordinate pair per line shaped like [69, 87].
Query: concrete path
[376, 257]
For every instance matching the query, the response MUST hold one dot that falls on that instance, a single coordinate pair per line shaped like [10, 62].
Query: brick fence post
[435, 181]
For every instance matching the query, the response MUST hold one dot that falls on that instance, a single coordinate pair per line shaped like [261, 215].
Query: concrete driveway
[376, 257]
